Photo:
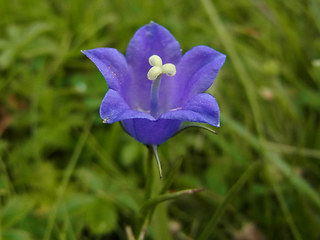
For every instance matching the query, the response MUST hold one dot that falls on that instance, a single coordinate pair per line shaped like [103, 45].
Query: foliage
[65, 175]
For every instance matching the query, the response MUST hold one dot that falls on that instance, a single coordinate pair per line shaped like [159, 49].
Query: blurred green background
[65, 175]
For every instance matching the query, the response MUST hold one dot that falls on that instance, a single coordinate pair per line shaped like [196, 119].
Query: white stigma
[155, 60]
[154, 72]
[159, 69]
[169, 69]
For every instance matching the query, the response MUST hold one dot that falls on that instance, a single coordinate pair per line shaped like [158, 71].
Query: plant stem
[149, 173]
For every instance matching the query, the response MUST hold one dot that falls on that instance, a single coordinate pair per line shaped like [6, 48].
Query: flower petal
[112, 64]
[151, 39]
[201, 108]
[196, 72]
[113, 109]
[151, 132]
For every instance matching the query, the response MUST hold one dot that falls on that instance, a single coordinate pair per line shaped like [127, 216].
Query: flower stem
[149, 173]
[154, 95]
[142, 223]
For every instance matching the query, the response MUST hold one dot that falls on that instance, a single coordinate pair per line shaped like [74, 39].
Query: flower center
[154, 74]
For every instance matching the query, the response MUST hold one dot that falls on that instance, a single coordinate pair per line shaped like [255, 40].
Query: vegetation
[65, 175]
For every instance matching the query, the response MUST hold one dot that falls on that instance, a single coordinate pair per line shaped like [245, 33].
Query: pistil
[155, 89]
[155, 74]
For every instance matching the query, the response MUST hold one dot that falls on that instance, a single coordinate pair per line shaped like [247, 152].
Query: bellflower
[153, 89]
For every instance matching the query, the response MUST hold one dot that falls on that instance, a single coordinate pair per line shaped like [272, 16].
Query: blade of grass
[106, 159]
[296, 180]
[283, 148]
[66, 178]
[301, 184]
[243, 75]
[169, 179]
[209, 228]
[160, 223]
[286, 212]
[129, 233]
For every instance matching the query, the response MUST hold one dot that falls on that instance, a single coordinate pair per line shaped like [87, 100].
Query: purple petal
[151, 132]
[196, 72]
[201, 108]
[148, 40]
[112, 64]
[113, 108]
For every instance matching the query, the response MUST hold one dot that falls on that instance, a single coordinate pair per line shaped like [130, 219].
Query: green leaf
[165, 197]
[194, 125]
[216, 177]
[101, 217]
[75, 205]
[15, 234]
[15, 210]
[161, 223]
[129, 153]
[91, 179]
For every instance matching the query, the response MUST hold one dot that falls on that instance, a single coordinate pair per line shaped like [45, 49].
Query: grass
[65, 175]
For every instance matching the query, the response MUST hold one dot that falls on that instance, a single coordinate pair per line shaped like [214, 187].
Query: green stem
[142, 223]
[149, 173]
[150, 203]
[149, 206]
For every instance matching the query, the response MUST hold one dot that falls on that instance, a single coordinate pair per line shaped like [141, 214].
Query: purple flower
[153, 89]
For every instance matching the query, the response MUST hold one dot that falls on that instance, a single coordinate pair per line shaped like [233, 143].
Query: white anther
[169, 69]
[158, 68]
[154, 72]
[155, 60]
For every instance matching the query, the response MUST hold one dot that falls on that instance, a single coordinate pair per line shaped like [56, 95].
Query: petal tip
[85, 52]
[223, 57]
